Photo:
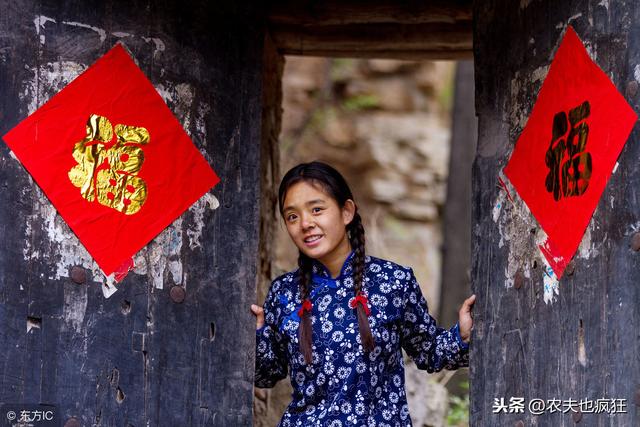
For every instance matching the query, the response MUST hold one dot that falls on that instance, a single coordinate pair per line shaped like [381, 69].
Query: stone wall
[386, 126]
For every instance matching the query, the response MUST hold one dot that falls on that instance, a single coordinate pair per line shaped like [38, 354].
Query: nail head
[78, 275]
[72, 422]
[519, 280]
[576, 416]
[571, 268]
[632, 89]
[177, 294]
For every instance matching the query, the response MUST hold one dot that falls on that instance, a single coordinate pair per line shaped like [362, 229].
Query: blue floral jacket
[345, 386]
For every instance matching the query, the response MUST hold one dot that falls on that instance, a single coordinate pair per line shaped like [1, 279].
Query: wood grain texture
[335, 12]
[137, 358]
[379, 29]
[585, 344]
[456, 247]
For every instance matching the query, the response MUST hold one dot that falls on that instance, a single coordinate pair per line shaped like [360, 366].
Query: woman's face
[315, 222]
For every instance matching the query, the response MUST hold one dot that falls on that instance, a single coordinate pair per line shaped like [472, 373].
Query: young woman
[338, 323]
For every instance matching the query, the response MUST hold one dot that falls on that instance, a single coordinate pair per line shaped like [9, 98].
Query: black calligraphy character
[569, 165]
[555, 153]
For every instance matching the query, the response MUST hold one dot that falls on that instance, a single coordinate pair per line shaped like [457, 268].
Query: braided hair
[356, 238]
[335, 186]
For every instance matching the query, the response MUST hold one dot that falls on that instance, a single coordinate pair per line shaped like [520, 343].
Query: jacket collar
[320, 270]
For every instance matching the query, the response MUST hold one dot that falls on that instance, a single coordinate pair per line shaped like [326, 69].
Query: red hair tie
[306, 306]
[360, 299]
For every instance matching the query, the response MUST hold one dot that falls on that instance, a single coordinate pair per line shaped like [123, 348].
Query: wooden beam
[368, 12]
[376, 29]
[419, 41]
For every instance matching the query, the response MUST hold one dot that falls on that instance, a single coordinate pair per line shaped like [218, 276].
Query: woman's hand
[465, 321]
[259, 313]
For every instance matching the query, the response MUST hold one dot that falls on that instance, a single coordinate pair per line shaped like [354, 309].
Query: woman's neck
[334, 261]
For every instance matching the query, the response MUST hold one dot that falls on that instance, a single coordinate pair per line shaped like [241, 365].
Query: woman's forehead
[305, 192]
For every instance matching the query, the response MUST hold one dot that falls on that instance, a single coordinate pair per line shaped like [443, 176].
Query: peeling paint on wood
[58, 333]
[576, 338]
[47, 80]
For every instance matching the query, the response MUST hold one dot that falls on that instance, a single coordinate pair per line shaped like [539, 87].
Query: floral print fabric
[345, 386]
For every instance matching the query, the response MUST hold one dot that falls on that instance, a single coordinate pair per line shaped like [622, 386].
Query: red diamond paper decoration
[566, 153]
[112, 158]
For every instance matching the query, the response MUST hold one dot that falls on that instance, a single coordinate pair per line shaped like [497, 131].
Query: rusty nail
[78, 275]
[571, 268]
[577, 416]
[125, 306]
[632, 89]
[72, 422]
[519, 423]
[635, 242]
[637, 398]
[177, 294]
[519, 279]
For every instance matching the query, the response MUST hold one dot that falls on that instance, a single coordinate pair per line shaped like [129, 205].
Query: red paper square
[600, 130]
[162, 182]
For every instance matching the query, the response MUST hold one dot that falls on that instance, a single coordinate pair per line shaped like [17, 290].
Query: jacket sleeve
[431, 347]
[271, 354]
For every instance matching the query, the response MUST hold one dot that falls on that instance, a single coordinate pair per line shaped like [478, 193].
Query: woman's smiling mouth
[313, 240]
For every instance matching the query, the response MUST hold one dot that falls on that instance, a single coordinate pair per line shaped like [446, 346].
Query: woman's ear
[348, 211]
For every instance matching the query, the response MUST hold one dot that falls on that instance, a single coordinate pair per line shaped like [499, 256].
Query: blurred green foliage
[361, 102]
[342, 69]
[458, 415]
[445, 94]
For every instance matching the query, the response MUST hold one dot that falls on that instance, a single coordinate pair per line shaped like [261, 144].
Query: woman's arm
[431, 347]
[271, 355]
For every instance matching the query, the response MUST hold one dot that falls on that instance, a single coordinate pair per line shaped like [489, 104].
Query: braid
[356, 238]
[305, 330]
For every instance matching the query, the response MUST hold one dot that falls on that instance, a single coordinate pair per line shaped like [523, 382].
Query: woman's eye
[316, 210]
[291, 217]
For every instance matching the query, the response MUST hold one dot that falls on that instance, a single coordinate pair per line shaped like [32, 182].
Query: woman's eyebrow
[309, 203]
[314, 202]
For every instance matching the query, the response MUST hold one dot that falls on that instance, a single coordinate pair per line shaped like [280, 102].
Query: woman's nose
[307, 222]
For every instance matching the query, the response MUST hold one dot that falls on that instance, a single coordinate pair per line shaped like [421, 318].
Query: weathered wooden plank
[379, 40]
[456, 249]
[381, 29]
[264, 413]
[334, 12]
[137, 358]
[584, 344]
